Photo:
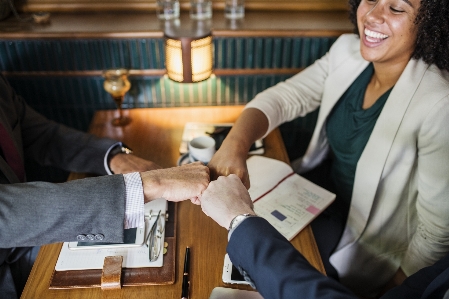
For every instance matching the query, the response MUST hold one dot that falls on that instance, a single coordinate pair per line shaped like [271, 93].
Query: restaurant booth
[57, 64]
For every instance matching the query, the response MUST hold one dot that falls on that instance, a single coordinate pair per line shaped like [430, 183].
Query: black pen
[185, 276]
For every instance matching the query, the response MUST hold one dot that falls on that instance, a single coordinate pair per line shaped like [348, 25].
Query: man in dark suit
[277, 270]
[97, 209]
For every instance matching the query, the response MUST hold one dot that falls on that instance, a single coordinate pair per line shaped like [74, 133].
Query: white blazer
[399, 215]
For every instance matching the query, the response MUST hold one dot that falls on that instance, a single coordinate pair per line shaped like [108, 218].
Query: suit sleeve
[38, 213]
[303, 92]
[429, 282]
[430, 242]
[53, 144]
[50, 143]
[297, 96]
[277, 269]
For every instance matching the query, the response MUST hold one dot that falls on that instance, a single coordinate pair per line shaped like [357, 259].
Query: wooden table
[155, 134]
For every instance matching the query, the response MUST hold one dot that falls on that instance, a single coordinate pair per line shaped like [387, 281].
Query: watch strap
[238, 219]
[120, 148]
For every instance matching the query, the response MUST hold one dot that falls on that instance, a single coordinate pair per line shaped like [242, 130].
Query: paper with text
[285, 199]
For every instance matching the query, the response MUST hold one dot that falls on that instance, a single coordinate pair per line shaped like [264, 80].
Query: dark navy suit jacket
[279, 271]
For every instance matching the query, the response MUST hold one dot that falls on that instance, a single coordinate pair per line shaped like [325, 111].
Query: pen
[185, 276]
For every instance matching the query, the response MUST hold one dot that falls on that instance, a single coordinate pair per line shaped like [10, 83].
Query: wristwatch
[238, 219]
[119, 149]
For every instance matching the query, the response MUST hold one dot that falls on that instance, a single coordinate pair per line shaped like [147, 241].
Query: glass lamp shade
[188, 59]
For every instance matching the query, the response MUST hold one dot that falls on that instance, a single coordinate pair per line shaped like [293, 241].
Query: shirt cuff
[134, 203]
[106, 164]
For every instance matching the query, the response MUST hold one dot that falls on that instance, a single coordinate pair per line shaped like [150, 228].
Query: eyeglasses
[154, 239]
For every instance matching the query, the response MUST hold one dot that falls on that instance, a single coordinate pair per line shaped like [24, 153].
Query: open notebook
[287, 200]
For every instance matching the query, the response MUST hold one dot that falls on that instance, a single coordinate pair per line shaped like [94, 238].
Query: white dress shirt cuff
[106, 164]
[134, 207]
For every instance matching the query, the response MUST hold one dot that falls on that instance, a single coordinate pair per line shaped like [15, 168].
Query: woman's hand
[251, 125]
[226, 162]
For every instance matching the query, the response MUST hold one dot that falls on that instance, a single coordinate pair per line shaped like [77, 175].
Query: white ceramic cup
[201, 149]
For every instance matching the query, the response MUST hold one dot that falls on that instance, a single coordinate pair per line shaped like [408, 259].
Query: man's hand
[176, 183]
[226, 198]
[123, 163]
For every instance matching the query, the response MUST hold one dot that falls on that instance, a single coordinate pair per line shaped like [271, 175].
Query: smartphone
[231, 274]
[133, 237]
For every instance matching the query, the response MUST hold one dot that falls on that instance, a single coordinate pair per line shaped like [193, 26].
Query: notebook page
[265, 174]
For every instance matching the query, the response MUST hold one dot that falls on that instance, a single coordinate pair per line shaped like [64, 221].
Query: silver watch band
[238, 219]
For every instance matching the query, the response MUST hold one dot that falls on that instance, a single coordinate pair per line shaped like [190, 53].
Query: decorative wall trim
[160, 34]
[127, 25]
[279, 33]
[135, 5]
[72, 100]
[147, 55]
[156, 73]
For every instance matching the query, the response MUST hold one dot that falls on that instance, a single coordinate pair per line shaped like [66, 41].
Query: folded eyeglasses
[154, 239]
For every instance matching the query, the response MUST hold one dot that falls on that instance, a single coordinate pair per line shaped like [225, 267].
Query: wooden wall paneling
[146, 5]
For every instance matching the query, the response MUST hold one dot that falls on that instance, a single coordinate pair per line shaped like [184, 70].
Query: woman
[381, 141]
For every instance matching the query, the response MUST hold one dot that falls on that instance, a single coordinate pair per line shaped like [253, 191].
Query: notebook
[285, 199]
[164, 275]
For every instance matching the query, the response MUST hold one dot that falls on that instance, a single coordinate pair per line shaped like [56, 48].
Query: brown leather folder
[130, 276]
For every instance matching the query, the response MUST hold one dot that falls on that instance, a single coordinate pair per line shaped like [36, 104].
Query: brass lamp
[188, 52]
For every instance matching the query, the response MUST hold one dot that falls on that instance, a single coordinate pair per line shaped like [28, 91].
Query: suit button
[81, 238]
[90, 237]
[99, 237]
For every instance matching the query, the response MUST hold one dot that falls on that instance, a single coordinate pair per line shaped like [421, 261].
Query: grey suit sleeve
[39, 213]
[50, 143]
[54, 144]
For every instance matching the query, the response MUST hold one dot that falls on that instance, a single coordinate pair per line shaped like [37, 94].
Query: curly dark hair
[432, 43]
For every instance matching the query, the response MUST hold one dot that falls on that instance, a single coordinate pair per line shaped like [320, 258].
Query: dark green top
[349, 127]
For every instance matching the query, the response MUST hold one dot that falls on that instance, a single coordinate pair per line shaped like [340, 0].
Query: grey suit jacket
[38, 213]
